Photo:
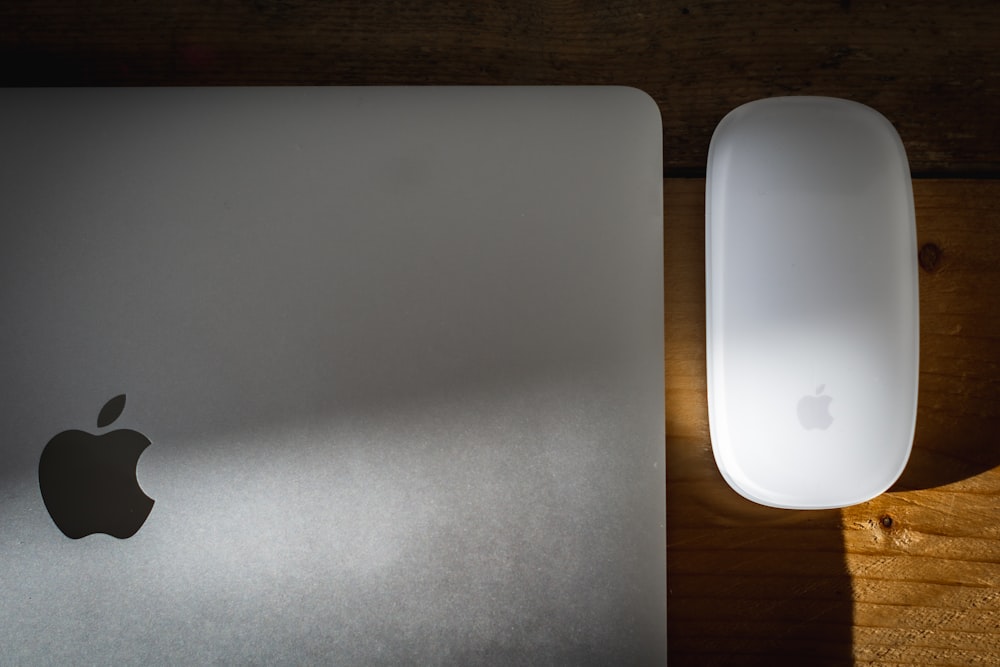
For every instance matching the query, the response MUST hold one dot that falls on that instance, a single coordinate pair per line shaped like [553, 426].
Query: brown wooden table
[912, 577]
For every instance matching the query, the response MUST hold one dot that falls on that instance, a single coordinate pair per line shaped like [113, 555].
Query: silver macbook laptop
[346, 376]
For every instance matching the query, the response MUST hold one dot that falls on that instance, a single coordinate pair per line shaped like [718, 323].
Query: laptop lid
[352, 376]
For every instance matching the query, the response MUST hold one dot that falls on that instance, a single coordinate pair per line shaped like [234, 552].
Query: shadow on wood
[750, 585]
[958, 414]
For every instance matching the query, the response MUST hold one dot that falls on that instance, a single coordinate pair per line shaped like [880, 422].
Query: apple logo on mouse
[814, 411]
[88, 482]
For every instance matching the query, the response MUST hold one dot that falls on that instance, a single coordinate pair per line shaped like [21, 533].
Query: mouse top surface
[812, 302]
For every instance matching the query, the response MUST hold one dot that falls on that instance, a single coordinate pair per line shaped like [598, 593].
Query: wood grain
[932, 68]
[912, 577]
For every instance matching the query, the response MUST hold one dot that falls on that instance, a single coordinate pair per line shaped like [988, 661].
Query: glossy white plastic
[812, 302]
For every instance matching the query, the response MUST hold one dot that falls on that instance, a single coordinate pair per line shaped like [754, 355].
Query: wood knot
[886, 521]
[929, 257]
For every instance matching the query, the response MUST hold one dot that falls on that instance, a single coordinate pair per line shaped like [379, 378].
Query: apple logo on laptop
[814, 411]
[88, 482]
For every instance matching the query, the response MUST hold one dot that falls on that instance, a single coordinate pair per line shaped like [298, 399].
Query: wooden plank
[912, 577]
[932, 68]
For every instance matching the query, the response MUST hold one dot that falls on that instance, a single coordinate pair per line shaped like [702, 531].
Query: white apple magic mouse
[812, 309]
